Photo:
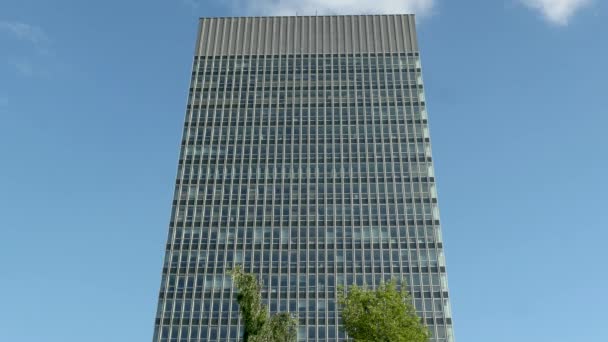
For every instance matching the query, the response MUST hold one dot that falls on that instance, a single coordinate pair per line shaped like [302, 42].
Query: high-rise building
[306, 158]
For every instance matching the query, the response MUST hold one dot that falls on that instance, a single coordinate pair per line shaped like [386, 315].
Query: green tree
[383, 314]
[259, 327]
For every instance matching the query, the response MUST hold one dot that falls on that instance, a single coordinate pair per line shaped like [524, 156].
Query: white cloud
[324, 7]
[27, 32]
[557, 11]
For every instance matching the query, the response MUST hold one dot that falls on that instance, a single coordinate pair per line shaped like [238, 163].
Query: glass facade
[312, 171]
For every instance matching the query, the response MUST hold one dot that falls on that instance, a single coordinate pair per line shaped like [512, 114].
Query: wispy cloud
[26, 32]
[3, 104]
[24, 67]
[36, 46]
[311, 7]
[321, 7]
[191, 3]
[557, 12]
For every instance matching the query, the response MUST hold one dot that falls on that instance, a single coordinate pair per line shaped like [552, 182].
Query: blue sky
[92, 96]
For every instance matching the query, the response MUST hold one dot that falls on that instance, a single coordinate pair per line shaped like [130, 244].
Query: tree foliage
[259, 327]
[279, 328]
[383, 314]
